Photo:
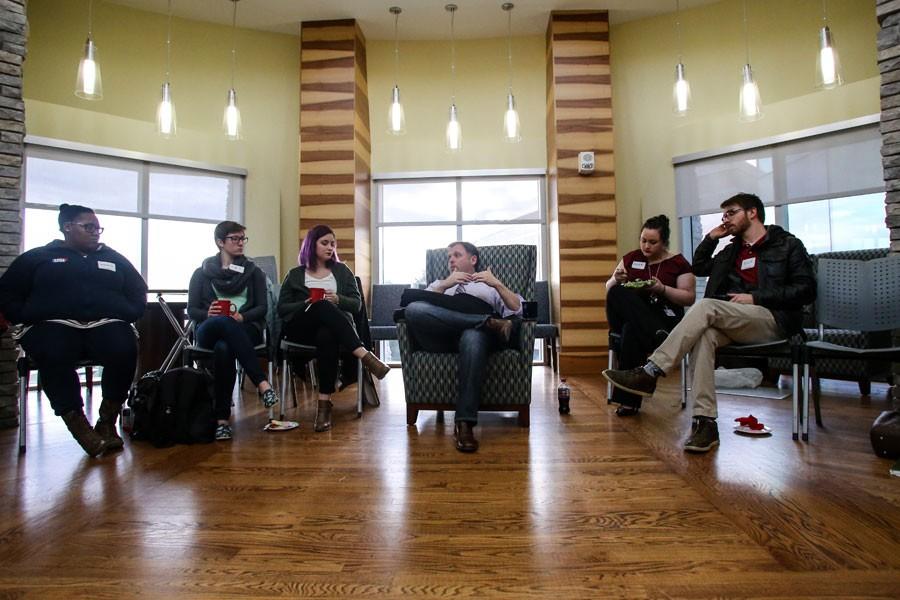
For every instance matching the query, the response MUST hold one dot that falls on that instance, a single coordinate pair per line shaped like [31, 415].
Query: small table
[158, 335]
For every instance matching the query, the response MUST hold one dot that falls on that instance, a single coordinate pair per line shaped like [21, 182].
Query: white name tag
[638, 264]
[235, 268]
[748, 263]
[61, 260]
[106, 266]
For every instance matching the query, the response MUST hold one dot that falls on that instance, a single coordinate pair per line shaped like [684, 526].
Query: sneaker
[634, 380]
[223, 432]
[269, 398]
[704, 436]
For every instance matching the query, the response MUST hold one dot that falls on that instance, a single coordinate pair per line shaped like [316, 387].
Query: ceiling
[420, 20]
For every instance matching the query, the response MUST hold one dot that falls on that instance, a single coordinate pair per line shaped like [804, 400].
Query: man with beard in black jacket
[758, 285]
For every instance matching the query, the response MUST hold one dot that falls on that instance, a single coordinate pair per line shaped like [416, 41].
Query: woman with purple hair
[317, 301]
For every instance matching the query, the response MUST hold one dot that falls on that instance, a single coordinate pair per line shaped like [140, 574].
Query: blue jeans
[437, 329]
[230, 340]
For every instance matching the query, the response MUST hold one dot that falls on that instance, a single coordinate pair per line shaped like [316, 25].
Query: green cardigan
[294, 292]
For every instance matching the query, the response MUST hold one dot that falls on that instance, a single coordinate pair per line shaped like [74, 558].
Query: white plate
[747, 431]
[281, 425]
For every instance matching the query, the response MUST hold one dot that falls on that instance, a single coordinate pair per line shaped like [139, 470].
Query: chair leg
[684, 381]
[525, 416]
[612, 365]
[865, 387]
[804, 415]
[22, 367]
[359, 388]
[286, 376]
[795, 398]
[89, 383]
[554, 355]
[411, 414]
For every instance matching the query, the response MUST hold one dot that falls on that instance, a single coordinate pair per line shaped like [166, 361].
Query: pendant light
[396, 116]
[681, 90]
[165, 112]
[454, 129]
[828, 66]
[511, 130]
[749, 101]
[231, 119]
[88, 84]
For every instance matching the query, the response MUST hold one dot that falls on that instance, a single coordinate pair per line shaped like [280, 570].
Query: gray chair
[385, 300]
[268, 266]
[854, 295]
[545, 329]
[430, 379]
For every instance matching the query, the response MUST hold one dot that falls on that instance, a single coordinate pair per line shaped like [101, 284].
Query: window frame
[142, 163]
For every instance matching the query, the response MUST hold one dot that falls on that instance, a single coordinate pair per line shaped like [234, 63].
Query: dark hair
[308, 258]
[69, 212]
[747, 201]
[472, 250]
[226, 228]
[661, 224]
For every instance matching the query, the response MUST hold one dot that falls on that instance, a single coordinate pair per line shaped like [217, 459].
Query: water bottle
[563, 392]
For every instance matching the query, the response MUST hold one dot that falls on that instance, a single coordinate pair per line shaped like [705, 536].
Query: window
[160, 216]
[824, 186]
[415, 215]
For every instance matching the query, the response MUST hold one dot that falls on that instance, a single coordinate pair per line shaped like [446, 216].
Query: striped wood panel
[582, 208]
[335, 146]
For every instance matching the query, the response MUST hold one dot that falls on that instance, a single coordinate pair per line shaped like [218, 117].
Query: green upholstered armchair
[430, 379]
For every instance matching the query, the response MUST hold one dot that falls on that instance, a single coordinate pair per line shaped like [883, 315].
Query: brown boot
[106, 424]
[323, 416]
[501, 328]
[81, 430]
[375, 366]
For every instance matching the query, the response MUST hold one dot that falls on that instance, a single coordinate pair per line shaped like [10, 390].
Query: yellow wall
[783, 47]
[481, 84]
[132, 59]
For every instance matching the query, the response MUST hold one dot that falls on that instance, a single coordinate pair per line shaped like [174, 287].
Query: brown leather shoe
[81, 430]
[374, 366]
[465, 437]
[323, 416]
[636, 380]
[502, 328]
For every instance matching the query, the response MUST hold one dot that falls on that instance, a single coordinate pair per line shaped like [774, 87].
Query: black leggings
[326, 327]
[631, 315]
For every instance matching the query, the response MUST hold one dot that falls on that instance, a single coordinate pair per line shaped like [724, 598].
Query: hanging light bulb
[681, 90]
[454, 129]
[828, 65]
[231, 118]
[88, 84]
[749, 100]
[396, 116]
[511, 130]
[165, 112]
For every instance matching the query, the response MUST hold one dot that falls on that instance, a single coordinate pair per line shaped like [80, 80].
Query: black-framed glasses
[730, 213]
[90, 227]
[237, 239]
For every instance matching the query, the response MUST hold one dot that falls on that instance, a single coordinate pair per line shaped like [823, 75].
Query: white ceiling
[420, 20]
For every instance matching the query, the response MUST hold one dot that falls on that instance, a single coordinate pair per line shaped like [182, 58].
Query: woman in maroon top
[642, 317]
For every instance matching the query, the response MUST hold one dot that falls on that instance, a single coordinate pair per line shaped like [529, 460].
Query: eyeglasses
[730, 213]
[237, 239]
[90, 227]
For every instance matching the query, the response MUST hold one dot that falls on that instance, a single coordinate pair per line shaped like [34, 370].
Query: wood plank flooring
[581, 506]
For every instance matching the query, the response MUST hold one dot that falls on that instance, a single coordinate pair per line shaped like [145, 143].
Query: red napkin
[750, 422]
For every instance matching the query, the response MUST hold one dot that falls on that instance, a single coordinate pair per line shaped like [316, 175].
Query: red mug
[316, 294]
[225, 307]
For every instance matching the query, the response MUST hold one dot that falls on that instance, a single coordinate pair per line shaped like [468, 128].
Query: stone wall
[13, 32]
[888, 12]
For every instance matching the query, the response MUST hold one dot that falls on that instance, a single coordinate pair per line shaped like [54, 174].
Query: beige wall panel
[326, 166]
[317, 190]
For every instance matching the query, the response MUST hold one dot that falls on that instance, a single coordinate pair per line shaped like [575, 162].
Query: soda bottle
[127, 419]
[563, 392]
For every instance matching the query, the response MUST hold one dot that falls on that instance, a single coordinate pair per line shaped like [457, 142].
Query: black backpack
[174, 407]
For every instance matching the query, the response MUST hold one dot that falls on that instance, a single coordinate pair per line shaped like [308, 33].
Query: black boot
[106, 424]
[89, 440]
[323, 416]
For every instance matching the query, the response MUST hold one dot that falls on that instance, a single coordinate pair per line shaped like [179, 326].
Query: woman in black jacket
[77, 299]
[230, 279]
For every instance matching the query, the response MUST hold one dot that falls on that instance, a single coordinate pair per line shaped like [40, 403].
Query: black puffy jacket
[786, 279]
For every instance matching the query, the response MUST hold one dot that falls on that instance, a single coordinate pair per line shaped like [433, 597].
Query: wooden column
[582, 208]
[335, 151]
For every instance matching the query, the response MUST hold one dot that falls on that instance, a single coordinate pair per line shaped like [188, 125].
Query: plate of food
[275, 425]
[749, 430]
[638, 284]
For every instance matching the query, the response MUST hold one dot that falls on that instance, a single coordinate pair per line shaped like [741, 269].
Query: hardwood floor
[583, 506]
